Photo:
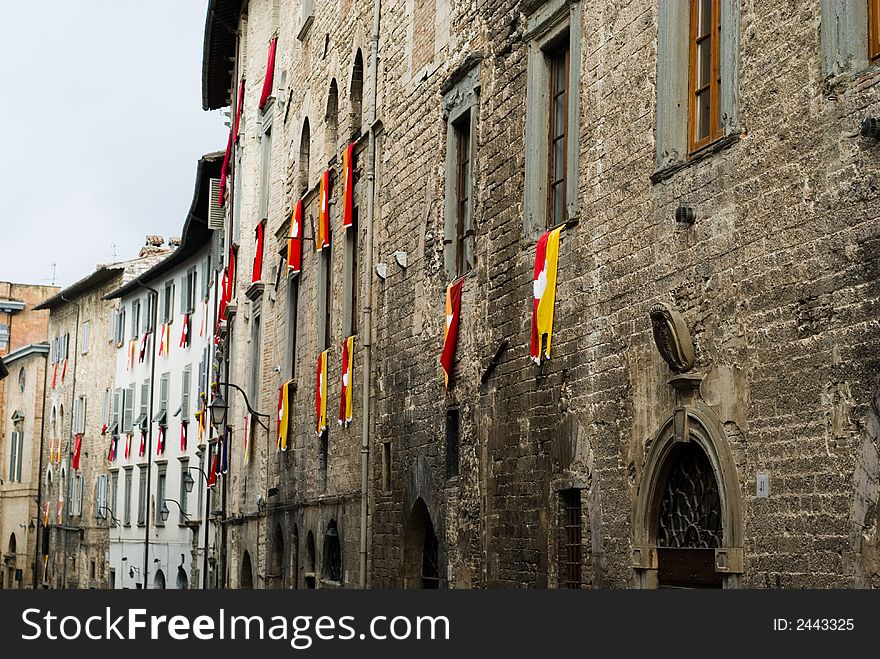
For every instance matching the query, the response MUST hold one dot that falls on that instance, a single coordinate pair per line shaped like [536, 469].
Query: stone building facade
[23, 348]
[734, 228]
[74, 510]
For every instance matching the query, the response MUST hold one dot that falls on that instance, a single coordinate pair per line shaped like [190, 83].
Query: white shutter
[215, 210]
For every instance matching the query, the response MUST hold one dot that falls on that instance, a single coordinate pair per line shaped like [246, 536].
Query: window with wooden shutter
[873, 30]
[704, 113]
[558, 137]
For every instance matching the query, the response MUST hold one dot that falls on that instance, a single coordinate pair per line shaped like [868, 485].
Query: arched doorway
[309, 573]
[246, 578]
[421, 551]
[11, 562]
[276, 577]
[182, 580]
[688, 523]
[331, 565]
[159, 580]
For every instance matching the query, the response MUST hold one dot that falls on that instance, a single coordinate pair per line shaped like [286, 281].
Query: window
[101, 497]
[350, 302]
[135, 318]
[256, 351]
[114, 489]
[143, 413]
[147, 325]
[552, 117]
[185, 384]
[182, 493]
[126, 510]
[16, 448]
[332, 563]
[265, 166]
[142, 496]
[697, 69]
[324, 298]
[86, 327]
[117, 411]
[168, 308]
[452, 441]
[292, 310]
[206, 273]
[355, 116]
[188, 292]
[120, 327]
[127, 409]
[324, 456]
[305, 146]
[76, 501]
[4, 336]
[331, 120]
[161, 416]
[22, 380]
[704, 119]
[873, 29]
[160, 495]
[79, 415]
[570, 539]
[386, 466]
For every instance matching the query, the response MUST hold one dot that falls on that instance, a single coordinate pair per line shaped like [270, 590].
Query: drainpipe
[66, 515]
[368, 285]
[39, 539]
[155, 318]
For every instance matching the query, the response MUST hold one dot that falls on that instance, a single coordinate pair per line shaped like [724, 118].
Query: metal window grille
[570, 546]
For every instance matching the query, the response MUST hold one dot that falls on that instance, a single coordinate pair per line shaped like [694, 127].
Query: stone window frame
[461, 102]
[673, 80]
[845, 37]
[549, 24]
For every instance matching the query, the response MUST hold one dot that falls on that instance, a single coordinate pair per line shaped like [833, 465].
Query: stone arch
[696, 425]
[305, 150]
[421, 549]
[12, 544]
[331, 120]
[182, 579]
[159, 580]
[356, 94]
[246, 576]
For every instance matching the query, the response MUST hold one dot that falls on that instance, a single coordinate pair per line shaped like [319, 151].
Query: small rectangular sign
[763, 485]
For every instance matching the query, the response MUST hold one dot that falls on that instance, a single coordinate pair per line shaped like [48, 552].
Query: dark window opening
[357, 94]
[558, 136]
[463, 231]
[452, 441]
[332, 564]
[570, 540]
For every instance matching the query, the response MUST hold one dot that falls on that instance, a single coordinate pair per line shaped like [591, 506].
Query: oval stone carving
[672, 337]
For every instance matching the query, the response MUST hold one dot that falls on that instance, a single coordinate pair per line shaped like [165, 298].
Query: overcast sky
[102, 126]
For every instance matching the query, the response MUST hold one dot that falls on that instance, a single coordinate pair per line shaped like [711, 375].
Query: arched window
[332, 563]
[12, 544]
[246, 578]
[159, 580]
[182, 580]
[22, 379]
[305, 146]
[309, 574]
[356, 94]
[331, 119]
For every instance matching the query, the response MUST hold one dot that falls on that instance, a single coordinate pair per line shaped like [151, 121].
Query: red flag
[221, 313]
[184, 335]
[322, 236]
[183, 426]
[142, 450]
[127, 446]
[450, 330]
[224, 169]
[258, 253]
[160, 441]
[294, 240]
[54, 374]
[348, 187]
[63, 370]
[238, 110]
[143, 348]
[77, 448]
[270, 73]
[212, 473]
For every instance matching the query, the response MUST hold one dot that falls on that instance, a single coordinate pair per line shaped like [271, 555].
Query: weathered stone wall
[777, 281]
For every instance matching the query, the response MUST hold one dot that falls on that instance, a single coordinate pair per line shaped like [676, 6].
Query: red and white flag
[184, 334]
[160, 441]
[450, 328]
[294, 240]
[348, 187]
[127, 452]
[546, 259]
[183, 429]
[142, 449]
[212, 474]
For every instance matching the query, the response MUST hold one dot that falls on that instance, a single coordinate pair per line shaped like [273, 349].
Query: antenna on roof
[54, 267]
[113, 250]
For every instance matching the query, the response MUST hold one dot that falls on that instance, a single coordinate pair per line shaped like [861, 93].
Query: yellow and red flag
[247, 437]
[450, 328]
[345, 402]
[294, 240]
[46, 519]
[283, 417]
[348, 187]
[321, 393]
[60, 511]
[322, 235]
[544, 287]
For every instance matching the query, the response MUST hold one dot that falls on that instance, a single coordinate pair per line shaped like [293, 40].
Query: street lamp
[188, 481]
[219, 408]
[164, 512]
[110, 515]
